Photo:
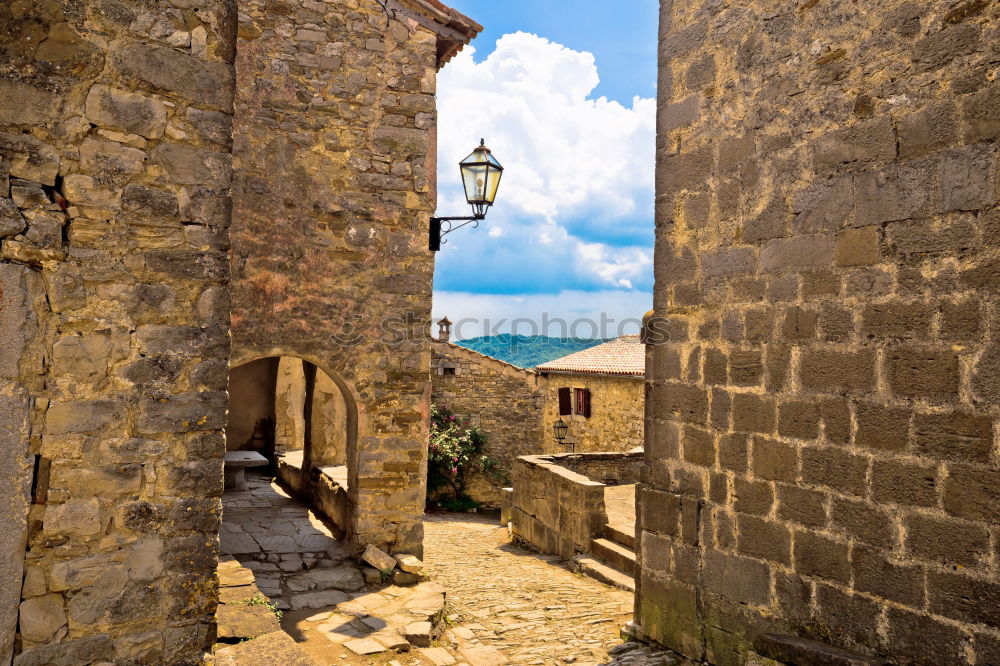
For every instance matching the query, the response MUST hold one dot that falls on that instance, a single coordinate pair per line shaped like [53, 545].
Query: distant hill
[526, 351]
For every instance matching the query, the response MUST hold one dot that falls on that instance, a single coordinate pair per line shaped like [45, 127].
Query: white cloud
[579, 171]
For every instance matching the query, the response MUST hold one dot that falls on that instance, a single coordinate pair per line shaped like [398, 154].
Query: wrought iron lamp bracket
[442, 226]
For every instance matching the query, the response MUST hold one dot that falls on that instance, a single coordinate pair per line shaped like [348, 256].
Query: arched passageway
[268, 411]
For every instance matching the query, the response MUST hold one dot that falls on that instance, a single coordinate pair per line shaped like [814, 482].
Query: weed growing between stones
[261, 600]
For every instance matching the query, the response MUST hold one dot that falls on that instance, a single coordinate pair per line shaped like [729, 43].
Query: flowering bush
[455, 453]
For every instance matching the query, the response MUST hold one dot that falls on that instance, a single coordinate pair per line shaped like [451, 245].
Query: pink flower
[454, 470]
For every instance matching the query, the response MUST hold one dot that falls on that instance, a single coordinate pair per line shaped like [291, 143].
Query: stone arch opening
[268, 411]
[300, 415]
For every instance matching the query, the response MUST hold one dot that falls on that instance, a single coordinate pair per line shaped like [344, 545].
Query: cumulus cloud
[576, 202]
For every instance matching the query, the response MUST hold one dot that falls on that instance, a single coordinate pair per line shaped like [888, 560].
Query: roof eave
[592, 373]
[453, 28]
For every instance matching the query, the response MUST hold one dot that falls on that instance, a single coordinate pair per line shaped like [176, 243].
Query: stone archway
[304, 417]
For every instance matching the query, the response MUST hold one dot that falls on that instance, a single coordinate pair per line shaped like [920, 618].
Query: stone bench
[236, 467]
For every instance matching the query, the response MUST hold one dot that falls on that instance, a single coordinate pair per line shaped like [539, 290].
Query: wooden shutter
[565, 402]
[586, 403]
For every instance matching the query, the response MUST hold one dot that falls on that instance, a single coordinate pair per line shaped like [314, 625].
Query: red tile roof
[623, 356]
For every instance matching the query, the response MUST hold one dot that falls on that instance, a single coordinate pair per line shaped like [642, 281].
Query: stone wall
[505, 401]
[615, 423]
[821, 448]
[114, 183]
[335, 150]
[554, 508]
[607, 468]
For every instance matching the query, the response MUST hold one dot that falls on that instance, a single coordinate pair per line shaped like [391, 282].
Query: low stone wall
[557, 508]
[612, 469]
[325, 493]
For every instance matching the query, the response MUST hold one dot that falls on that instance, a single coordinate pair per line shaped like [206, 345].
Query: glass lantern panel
[474, 178]
[492, 184]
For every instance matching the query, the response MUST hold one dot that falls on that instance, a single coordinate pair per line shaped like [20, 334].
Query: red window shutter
[565, 402]
[586, 403]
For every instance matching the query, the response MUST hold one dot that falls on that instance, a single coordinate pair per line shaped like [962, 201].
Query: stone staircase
[611, 559]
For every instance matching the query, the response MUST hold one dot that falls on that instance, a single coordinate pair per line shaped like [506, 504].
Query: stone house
[599, 394]
[187, 187]
[821, 457]
[507, 403]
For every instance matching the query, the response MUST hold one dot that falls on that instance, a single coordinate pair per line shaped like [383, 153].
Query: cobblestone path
[528, 607]
[504, 604]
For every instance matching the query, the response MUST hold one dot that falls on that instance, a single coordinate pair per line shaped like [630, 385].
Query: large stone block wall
[822, 432]
[505, 401]
[616, 418]
[334, 147]
[555, 509]
[114, 346]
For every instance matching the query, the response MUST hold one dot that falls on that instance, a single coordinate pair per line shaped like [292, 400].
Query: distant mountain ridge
[527, 351]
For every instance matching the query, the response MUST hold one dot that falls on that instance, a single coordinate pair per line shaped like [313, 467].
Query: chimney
[444, 330]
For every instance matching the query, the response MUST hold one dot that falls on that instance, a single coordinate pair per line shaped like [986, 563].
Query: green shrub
[454, 454]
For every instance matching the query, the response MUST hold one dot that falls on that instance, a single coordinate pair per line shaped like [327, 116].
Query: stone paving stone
[438, 656]
[270, 650]
[245, 621]
[232, 595]
[364, 646]
[321, 599]
[237, 543]
[483, 655]
[235, 577]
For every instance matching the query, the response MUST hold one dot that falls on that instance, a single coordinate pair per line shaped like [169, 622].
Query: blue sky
[564, 95]
[622, 35]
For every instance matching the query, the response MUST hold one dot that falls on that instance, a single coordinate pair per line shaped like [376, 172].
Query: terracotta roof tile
[623, 356]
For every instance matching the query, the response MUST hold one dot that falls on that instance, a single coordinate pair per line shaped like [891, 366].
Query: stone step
[618, 535]
[606, 574]
[614, 554]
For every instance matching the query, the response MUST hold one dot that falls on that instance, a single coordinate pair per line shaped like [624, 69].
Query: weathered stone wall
[505, 401]
[554, 508]
[607, 468]
[335, 154]
[821, 449]
[114, 185]
[615, 422]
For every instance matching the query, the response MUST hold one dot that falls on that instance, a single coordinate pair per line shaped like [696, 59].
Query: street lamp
[560, 429]
[481, 175]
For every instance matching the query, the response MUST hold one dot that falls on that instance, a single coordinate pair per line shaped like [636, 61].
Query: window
[574, 402]
[448, 371]
[581, 402]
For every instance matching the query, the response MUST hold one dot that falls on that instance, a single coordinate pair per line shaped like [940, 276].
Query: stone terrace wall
[554, 508]
[615, 423]
[335, 151]
[114, 190]
[506, 402]
[608, 468]
[821, 456]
